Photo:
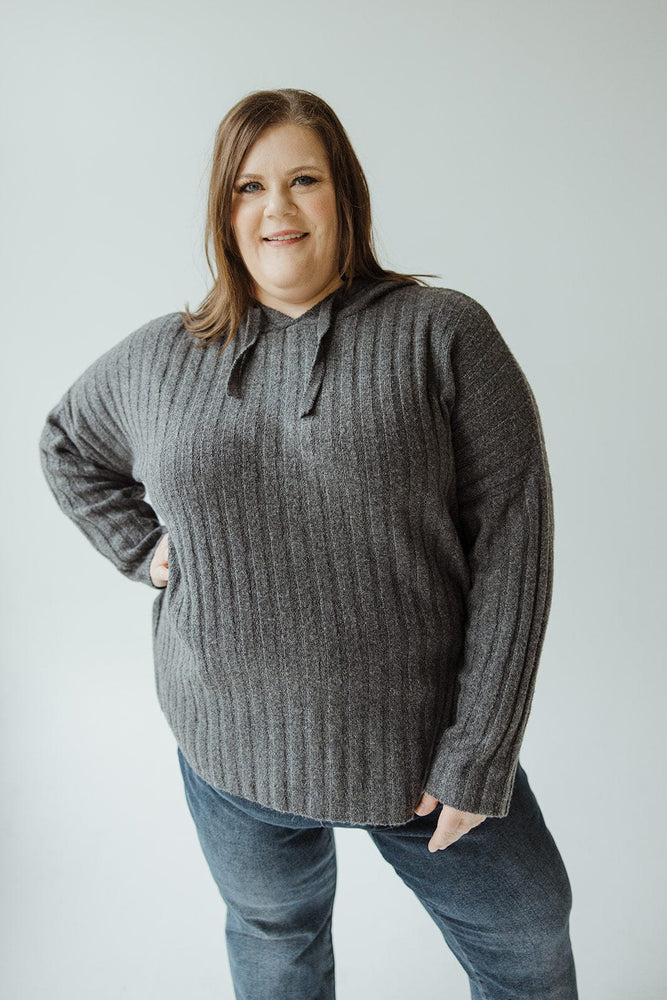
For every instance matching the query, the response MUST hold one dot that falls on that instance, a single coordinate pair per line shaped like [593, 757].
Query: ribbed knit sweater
[360, 529]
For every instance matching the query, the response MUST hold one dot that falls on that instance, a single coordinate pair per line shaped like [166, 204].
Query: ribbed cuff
[141, 571]
[473, 785]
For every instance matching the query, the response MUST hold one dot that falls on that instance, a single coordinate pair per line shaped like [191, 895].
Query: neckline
[284, 319]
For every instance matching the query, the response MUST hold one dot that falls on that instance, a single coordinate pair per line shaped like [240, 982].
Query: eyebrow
[294, 170]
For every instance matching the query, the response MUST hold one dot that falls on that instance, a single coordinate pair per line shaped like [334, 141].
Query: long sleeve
[505, 513]
[87, 460]
[357, 599]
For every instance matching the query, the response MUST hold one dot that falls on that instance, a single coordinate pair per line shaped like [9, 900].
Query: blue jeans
[500, 895]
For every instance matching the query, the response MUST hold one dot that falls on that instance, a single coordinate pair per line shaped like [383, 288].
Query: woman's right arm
[86, 457]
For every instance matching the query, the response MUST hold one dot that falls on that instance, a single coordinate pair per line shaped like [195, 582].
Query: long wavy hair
[224, 306]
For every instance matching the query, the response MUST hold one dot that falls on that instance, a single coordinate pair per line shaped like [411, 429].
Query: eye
[247, 187]
[307, 180]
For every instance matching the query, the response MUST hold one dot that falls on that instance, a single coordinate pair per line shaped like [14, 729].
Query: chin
[280, 284]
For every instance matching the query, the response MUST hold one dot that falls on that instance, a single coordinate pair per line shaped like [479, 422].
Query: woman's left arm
[505, 512]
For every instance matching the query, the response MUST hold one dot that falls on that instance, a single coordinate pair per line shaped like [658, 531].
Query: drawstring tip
[312, 390]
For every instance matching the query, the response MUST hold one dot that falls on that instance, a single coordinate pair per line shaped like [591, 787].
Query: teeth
[291, 236]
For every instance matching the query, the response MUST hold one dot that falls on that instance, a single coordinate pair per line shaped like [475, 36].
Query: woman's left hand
[452, 823]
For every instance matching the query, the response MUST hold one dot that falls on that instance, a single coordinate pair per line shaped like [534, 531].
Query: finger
[452, 825]
[443, 837]
[426, 804]
[161, 574]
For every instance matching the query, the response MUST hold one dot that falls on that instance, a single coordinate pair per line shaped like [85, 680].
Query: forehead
[282, 146]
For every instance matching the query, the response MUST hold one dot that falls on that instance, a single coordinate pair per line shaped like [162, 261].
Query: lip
[285, 232]
[289, 238]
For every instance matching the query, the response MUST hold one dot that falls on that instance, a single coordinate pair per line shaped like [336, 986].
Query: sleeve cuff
[141, 570]
[473, 785]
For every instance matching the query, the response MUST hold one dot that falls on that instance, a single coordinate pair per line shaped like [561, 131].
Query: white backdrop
[518, 151]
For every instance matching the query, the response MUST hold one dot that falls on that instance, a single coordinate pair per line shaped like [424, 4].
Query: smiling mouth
[285, 238]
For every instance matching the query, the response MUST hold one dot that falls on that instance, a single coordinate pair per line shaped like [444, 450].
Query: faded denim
[500, 895]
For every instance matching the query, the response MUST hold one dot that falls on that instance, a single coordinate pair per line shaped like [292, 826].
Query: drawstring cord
[247, 337]
[316, 377]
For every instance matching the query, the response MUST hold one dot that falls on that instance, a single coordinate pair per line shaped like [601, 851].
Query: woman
[354, 561]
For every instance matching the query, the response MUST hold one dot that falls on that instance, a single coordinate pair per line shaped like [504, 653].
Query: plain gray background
[518, 151]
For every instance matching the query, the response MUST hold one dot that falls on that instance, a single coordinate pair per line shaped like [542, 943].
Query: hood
[259, 319]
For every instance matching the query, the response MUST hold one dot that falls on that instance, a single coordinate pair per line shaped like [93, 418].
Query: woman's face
[284, 186]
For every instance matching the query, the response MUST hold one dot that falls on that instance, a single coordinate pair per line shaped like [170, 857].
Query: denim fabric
[500, 895]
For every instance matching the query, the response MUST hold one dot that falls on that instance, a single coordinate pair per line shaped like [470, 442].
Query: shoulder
[161, 331]
[145, 346]
[154, 332]
[446, 307]
[133, 354]
[436, 300]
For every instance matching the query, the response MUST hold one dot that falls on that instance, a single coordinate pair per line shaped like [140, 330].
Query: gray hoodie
[360, 529]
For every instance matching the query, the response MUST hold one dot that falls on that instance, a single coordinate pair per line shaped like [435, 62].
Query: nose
[279, 203]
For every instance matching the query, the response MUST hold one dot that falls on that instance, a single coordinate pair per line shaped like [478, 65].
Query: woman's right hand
[159, 568]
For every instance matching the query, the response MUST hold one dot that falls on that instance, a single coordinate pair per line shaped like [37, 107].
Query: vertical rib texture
[360, 529]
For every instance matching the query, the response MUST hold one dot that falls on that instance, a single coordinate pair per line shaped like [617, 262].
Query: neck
[296, 307]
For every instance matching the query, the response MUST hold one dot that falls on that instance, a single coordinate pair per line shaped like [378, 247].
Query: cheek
[244, 226]
[324, 211]
[327, 223]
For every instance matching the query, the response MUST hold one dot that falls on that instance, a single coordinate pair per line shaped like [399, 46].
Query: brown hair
[223, 308]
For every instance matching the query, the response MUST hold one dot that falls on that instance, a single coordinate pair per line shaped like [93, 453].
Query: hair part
[221, 311]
